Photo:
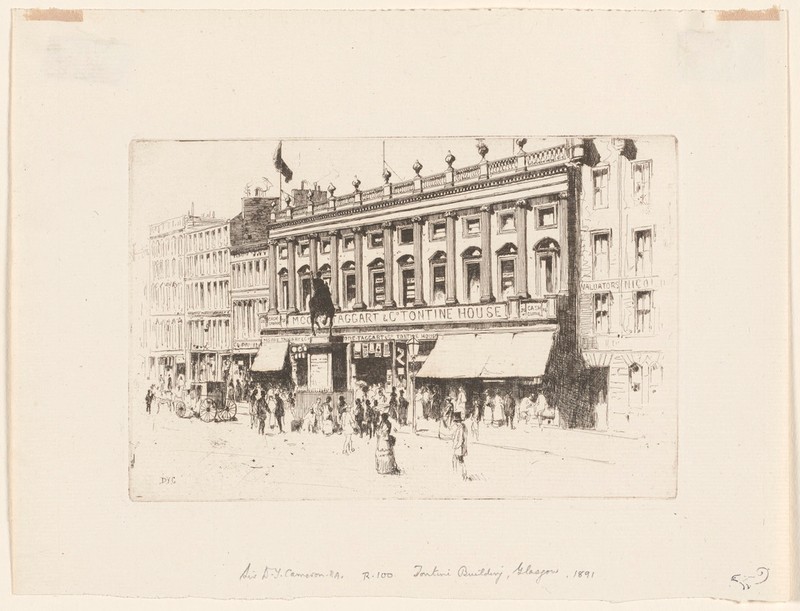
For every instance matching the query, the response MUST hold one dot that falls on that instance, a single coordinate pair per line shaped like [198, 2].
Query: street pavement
[186, 459]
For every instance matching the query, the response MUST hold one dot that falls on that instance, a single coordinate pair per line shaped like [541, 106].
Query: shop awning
[270, 357]
[489, 355]
[522, 356]
[453, 356]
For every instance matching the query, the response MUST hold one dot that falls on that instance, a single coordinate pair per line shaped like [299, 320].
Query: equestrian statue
[320, 304]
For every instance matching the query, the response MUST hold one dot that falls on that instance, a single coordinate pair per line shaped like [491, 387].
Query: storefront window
[601, 312]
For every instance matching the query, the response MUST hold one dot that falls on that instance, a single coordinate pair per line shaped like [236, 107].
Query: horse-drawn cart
[209, 402]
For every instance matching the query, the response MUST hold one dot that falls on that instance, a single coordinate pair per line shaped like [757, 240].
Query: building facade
[471, 264]
[167, 311]
[249, 295]
[628, 277]
[208, 327]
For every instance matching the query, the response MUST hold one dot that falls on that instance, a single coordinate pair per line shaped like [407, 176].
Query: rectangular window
[438, 230]
[644, 311]
[349, 288]
[283, 253]
[601, 301]
[438, 288]
[284, 293]
[325, 246]
[546, 217]
[644, 252]
[407, 276]
[348, 243]
[600, 252]
[303, 248]
[507, 278]
[378, 289]
[405, 235]
[641, 181]
[506, 222]
[472, 226]
[376, 240]
[601, 187]
[473, 277]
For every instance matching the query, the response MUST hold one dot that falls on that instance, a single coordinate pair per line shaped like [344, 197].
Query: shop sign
[400, 316]
[600, 285]
[400, 337]
[624, 284]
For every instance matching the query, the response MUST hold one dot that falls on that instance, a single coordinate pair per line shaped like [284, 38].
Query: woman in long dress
[385, 463]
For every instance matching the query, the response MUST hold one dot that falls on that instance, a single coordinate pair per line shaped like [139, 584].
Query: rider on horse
[321, 303]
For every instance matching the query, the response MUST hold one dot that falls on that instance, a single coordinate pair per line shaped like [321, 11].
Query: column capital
[451, 214]
[562, 195]
[487, 208]
[272, 242]
[334, 233]
[387, 225]
[522, 203]
[313, 236]
[358, 231]
[417, 219]
[292, 239]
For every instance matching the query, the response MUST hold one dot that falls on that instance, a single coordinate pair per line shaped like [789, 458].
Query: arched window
[438, 275]
[325, 273]
[506, 270]
[304, 284]
[349, 283]
[377, 283]
[472, 274]
[547, 266]
[283, 282]
[406, 280]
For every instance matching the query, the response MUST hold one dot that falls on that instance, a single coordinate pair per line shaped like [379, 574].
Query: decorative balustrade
[403, 187]
[505, 165]
[501, 166]
[346, 200]
[372, 194]
[555, 153]
[471, 172]
[436, 180]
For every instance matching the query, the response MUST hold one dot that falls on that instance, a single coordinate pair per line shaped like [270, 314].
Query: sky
[168, 177]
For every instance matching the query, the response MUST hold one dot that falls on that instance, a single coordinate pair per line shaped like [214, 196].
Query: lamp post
[412, 347]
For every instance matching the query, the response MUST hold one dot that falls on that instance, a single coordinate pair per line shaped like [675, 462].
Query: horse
[319, 305]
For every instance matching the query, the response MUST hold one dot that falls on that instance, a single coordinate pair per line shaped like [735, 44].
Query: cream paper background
[82, 91]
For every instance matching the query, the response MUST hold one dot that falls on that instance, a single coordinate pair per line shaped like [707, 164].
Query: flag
[280, 164]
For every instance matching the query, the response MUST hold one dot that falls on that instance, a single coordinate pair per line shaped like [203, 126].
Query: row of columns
[487, 296]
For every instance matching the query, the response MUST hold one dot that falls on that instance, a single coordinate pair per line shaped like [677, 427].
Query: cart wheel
[228, 411]
[207, 410]
[180, 409]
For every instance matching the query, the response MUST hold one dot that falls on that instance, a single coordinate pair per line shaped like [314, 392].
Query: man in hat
[459, 445]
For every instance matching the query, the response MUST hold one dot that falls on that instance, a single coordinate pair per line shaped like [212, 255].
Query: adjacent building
[208, 303]
[167, 358]
[628, 277]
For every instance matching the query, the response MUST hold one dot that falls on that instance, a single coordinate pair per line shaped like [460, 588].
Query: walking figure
[148, 398]
[459, 445]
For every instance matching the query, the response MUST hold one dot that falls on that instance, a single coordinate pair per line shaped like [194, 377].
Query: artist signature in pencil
[746, 581]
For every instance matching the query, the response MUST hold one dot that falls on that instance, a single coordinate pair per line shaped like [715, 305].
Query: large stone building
[472, 263]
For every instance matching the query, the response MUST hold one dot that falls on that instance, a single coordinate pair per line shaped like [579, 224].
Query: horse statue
[320, 305]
